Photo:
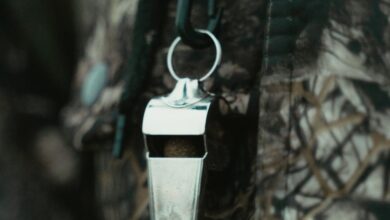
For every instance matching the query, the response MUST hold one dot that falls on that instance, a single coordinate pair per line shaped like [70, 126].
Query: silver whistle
[176, 175]
[174, 129]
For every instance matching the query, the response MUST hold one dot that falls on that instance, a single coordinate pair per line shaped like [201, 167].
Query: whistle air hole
[176, 146]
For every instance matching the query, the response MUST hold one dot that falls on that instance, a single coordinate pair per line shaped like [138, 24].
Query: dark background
[41, 177]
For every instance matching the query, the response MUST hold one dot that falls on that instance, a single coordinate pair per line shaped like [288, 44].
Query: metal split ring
[217, 60]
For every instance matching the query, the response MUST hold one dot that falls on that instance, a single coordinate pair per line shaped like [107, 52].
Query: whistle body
[176, 179]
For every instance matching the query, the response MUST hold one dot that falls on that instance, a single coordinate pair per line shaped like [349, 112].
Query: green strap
[135, 72]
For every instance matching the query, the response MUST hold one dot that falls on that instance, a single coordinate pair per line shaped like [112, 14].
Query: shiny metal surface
[175, 183]
[185, 93]
[183, 112]
[175, 187]
[161, 119]
[218, 55]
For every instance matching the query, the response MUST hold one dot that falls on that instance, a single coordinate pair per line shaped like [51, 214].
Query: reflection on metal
[217, 60]
[186, 93]
[174, 187]
[175, 183]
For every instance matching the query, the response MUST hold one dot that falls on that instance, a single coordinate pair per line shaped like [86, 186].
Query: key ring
[217, 60]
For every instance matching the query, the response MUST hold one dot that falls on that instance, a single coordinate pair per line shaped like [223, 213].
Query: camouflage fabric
[324, 140]
[320, 136]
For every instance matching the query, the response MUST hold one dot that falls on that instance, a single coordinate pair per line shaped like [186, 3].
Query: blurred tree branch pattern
[325, 115]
